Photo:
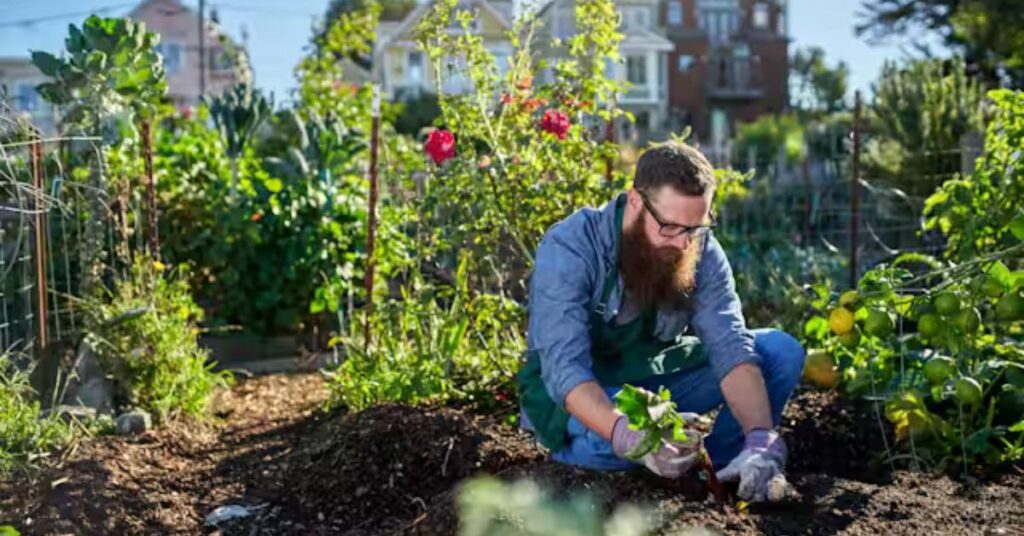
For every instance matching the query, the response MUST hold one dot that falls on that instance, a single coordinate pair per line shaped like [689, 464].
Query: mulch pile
[396, 470]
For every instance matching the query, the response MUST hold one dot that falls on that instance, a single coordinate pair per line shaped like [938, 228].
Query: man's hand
[670, 460]
[759, 467]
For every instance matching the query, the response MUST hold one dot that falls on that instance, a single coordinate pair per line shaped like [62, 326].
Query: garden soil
[395, 470]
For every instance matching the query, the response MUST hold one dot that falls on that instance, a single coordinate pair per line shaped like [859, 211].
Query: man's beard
[658, 276]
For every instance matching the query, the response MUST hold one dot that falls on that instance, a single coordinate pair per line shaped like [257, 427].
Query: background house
[405, 71]
[18, 81]
[730, 64]
[178, 27]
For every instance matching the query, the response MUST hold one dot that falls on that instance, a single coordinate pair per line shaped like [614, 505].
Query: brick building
[730, 65]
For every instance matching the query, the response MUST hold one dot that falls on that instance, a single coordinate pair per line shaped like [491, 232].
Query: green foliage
[919, 115]
[490, 507]
[434, 343]
[653, 415]
[511, 180]
[981, 213]
[954, 392]
[817, 88]
[25, 434]
[237, 113]
[769, 135]
[145, 333]
[416, 113]
[111, 72]
[988, 33]
[260, 256]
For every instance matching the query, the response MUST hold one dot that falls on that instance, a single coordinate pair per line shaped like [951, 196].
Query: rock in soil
[397, 470]
[134, 422]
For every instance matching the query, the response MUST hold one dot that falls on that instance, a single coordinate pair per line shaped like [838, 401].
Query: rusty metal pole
[855, 190]
[40, 239]
[371, 216]
[151, 215]
[609, 136]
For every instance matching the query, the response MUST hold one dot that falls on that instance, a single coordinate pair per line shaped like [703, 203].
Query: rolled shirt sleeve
[718, 314]
[559, 317]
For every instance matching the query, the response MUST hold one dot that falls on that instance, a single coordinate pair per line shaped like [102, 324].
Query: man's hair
[674, 164]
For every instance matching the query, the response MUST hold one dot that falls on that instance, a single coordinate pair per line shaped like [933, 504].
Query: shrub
[144, 331]
[24, 432]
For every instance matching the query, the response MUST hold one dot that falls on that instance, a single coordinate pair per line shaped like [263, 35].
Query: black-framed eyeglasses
[673, 230]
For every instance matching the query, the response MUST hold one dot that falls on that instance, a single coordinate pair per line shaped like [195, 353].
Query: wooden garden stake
[371, 216]
[147, 155]
[40, 239]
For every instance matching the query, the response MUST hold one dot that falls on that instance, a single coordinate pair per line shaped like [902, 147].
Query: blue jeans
[698, 391]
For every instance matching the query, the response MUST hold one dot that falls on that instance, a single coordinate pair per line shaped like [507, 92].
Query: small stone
[133, 422]
[997, 531]
[226, 513]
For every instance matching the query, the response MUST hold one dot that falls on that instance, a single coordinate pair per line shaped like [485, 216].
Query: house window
[640, 18]
[171, 53]
[719, 18]
[761, 16]
[675, 13]
[685, 62]
[414, 66]
[636, 70]
[28, 99]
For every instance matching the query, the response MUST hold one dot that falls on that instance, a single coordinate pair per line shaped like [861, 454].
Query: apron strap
[612, 272]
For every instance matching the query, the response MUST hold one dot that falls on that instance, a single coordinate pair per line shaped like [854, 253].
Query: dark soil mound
[388, 462]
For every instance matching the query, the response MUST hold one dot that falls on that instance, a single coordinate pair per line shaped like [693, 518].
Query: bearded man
[640, 292]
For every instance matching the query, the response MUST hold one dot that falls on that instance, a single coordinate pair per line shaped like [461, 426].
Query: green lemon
[992, 288]
[968, 391]
[850, 339]
[947, 304]
[969, 320]
[929, 325]
[938, 368]
[849, 299]
[1010, 307]
[878, 323]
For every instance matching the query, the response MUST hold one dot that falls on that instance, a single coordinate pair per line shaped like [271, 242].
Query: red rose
[440, 145]
[506, 99]
[256, 216]
[555, 122]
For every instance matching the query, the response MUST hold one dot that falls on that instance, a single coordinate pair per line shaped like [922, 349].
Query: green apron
[620, 353]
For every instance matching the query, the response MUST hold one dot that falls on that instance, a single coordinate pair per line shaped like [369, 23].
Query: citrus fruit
[878, 323]
[969, 320]
[820, 370]
[1010, 307]
[947, 304]
[938, 368]
[992, 288]
[850, 339]
[848, 299]
[840, 320]
[968, 390]
[929, 325]
[918, 423]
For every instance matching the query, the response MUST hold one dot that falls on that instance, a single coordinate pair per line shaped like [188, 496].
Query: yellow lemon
[840, 320]
[820, 370]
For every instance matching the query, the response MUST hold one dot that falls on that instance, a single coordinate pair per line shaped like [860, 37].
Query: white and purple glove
[670, 460]
[759, 467]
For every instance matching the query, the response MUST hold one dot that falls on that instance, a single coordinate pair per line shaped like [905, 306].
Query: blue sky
[279, 29]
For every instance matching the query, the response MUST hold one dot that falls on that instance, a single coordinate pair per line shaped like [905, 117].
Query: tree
[817, 88]
[989, 34]
[919, 114]
[390, 10]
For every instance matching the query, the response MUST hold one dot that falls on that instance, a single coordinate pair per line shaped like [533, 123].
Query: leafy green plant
[979, 214]
[237, 114]
[919, 115]
[110, 77]
[488, 506]
[652, 414]
[145, 332]
[434, 343]
[769, 136]
[25, 433]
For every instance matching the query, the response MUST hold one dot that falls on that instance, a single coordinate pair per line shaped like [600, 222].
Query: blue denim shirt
[571, 265]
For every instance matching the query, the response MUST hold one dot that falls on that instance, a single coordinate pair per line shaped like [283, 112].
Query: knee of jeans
[780, 352]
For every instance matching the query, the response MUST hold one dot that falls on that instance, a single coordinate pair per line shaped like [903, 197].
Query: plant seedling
[656, 417]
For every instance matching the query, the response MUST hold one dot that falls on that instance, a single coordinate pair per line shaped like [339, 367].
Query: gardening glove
[670, 460]
[759, 467]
